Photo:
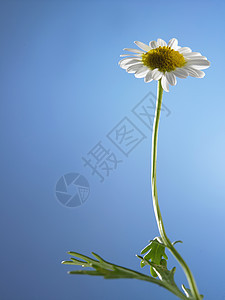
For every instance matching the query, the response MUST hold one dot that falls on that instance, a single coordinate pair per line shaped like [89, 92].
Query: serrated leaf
[81, 272]
[67, 262]
[75, 262]
[147, 248]
[166, 276]
[155, 252]
[174, 243]
[101, 267]
[85, 258]
[188, 292]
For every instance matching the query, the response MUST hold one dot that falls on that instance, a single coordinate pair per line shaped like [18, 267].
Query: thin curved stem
[158, 216]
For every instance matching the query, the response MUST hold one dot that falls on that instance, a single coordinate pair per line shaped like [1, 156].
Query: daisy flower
[160, 60]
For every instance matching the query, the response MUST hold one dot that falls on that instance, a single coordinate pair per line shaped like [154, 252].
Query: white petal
[165, 83]
[198, 63]
[134, 68]
[142, 46]
[141, 72]
[161, 43]
[126, 62]
[148, 76]
[195, 73]
[128, 59]
[181, 73]
[171, 78]
[128, 65]
[122, 55]
[196, 57]
[191, 54]
[133, 50]
[124, 66]
[184, 50]
[156, 74]
[173, 43]
[130, 62]
[153, 44]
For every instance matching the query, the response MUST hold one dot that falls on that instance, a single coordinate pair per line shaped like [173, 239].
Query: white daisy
[160, 60]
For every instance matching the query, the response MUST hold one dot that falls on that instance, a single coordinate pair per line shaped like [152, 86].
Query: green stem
[158, 216]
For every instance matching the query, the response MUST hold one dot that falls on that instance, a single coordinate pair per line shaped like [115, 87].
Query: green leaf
[101, 267]
[166, 276]
[188, 292]
[155, 252]
[174, 243]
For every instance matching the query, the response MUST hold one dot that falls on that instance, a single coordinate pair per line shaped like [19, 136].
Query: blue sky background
[61, 93]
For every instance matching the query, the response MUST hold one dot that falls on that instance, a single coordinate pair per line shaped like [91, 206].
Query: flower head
[160, 60]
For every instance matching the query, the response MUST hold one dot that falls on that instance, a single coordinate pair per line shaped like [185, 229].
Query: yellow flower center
[163, 58]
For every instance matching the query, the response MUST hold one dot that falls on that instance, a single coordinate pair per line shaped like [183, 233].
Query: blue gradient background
[61, 92]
